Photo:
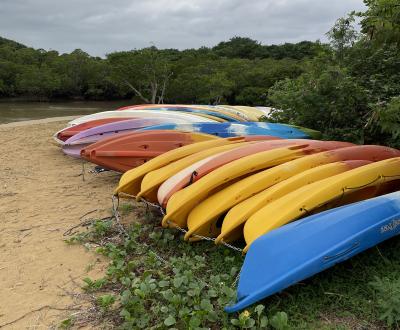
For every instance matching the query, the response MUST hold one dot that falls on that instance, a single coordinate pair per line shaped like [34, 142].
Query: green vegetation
[238, 71]
[156, 280]
[351, 89]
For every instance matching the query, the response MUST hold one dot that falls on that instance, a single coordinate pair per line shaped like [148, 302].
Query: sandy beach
[42, 195]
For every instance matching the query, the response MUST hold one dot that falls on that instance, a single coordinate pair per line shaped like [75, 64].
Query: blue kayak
[306, 247]
[237, 129]
[199, 111]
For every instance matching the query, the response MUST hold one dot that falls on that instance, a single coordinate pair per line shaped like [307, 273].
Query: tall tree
[146, 72]
[381, 22]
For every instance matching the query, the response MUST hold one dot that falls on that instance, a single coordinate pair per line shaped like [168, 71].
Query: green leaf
[279, 321]
[235, 322]
[206, 305]
[250, 322]
[178, 281]
[263, 322]
[163, 284]
[194, 322]
[169, 321]
[259, 309]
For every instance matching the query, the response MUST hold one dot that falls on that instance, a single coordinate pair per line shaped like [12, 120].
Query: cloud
[102, 26]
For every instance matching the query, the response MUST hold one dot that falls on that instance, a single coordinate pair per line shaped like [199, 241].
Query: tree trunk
[144, 99]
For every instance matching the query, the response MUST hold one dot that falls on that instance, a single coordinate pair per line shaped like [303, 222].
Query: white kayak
[173, 116]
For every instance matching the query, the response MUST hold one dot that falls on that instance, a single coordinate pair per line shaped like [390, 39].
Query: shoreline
[42, 195]
[38, 121]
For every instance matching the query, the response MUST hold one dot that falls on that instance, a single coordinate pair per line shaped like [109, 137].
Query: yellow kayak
[131, 180]
[253, 114]
[232, 226]
[152, 180]
[183, 201]
[304, 200]
[256, 112]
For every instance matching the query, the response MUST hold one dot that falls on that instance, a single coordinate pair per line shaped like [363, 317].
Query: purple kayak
[73, 146]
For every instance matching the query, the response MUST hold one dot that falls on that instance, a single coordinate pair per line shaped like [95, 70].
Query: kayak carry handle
[343, 253]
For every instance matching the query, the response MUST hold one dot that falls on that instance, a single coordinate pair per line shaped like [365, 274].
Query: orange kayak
[124, 152]
[207, 165]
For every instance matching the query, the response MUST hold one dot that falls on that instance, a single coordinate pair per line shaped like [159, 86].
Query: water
[19, 111]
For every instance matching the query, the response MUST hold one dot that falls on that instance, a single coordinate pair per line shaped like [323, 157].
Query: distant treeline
[237, 71]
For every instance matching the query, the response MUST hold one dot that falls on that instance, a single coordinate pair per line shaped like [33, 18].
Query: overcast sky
[102, 26]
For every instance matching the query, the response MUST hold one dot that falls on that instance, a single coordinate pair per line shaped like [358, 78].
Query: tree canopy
[236, 71]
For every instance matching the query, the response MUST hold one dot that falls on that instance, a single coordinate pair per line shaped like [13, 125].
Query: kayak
[228, 111]
[122, 153]
[182, 202]
[253, 114]
[306, 199]
[247, 197]
[306, 247]
[130, 182]
[61, 136]
[236, 129]
[196, 171]
[173, 116]
[225, 116]
[81, 140]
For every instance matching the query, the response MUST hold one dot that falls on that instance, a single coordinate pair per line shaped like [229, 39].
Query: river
[18, 111]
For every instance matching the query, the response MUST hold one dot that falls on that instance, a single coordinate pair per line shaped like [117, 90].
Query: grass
[155, 280]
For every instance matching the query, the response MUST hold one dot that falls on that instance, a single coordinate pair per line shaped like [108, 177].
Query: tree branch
[146, 100]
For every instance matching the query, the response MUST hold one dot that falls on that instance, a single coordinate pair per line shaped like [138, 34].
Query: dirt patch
[42, 194]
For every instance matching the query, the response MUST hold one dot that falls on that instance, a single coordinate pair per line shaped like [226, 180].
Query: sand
[42, 194]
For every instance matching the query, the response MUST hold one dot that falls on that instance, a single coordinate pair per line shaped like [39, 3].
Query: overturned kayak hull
[174, 116]
[306, 247]
[224, 114]
[131, 150]
[66, 133]
[237, 129]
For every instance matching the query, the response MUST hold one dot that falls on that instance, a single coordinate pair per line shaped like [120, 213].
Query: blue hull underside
[237, 129]
[308, 246]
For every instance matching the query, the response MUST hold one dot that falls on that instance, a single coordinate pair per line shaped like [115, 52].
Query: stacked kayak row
[125, 138]
[257, 190]
[297, 205]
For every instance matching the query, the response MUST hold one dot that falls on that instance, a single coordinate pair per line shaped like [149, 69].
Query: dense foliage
[350, 90]
[237, 71]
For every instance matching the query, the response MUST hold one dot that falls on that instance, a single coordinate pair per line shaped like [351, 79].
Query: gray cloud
[101, 26]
